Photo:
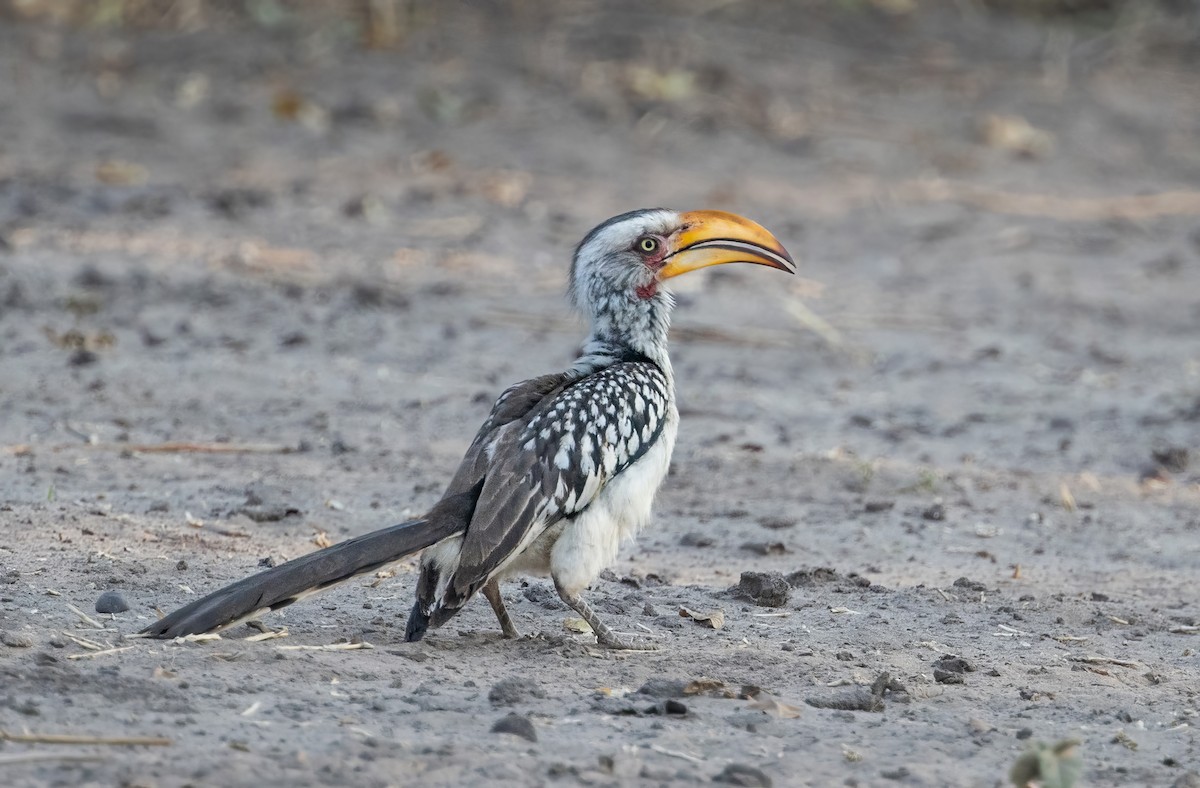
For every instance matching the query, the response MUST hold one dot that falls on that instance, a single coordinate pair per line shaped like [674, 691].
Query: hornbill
[566, 465]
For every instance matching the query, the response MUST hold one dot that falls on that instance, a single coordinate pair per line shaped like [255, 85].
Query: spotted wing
[514, 405]
[554, 466]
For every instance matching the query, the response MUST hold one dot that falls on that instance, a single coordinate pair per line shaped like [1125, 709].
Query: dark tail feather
[418, 623]
[282, 585]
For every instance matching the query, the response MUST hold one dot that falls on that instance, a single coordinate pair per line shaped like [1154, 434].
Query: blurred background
[264, 266]
[994, 201]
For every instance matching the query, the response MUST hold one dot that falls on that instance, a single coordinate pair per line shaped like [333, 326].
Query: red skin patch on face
[654, 262]
[647, 291]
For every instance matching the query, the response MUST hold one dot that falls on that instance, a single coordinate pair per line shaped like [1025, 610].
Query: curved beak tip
[715, 238]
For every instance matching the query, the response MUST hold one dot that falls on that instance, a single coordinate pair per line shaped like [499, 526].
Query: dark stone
[515, 690]
[1173, 458]
[111, 602]
[674, 707]
[935, 512]
[953, 663]
[766, 589]
[81, 358]
[1025, 733]
[663, 688]
[667, 708]
[517, 725]
[269, 514]
[236, 203]
[766, 548]
[857, 699]
[811, 577]
[741, 774]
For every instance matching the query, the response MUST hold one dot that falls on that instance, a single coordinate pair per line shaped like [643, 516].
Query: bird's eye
[647, 245]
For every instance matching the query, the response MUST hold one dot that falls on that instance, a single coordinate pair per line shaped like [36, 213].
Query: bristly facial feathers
[615, 285]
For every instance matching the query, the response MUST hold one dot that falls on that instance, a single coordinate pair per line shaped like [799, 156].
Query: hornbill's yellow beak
[716, 237]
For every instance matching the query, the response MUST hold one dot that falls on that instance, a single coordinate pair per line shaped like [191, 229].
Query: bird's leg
[604, 635]
[491, 590]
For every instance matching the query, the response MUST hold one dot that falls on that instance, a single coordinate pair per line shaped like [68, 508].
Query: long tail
[282, 585]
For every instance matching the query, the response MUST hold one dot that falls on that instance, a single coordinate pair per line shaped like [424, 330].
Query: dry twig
[69, 738]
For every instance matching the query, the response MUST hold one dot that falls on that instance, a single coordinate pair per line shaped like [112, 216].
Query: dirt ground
[963, 431]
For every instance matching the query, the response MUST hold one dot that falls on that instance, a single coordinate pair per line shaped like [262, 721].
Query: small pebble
[15, 640]
[741, 774]
[658, 687]
[517, 725]
[511, 691]
[111, 602]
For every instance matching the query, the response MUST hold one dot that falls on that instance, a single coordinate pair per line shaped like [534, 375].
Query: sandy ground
[964, 430]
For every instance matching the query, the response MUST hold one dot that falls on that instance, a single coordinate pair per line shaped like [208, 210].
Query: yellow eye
[648, 245]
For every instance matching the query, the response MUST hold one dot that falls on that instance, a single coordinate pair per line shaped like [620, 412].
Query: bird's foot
[605, 637]
[491, 591]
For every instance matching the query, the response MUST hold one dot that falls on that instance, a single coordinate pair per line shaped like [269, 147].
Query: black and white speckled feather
[554, 465]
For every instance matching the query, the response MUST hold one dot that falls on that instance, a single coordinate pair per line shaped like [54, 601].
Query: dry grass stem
[103, 653]
[1097, 660]
[69, 738]
[330, 647]
[85, 618]
[203, 637]
[88, 644]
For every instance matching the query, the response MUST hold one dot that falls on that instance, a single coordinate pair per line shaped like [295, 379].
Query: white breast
[590, 541]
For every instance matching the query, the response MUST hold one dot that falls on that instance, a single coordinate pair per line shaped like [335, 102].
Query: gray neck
[624, 328]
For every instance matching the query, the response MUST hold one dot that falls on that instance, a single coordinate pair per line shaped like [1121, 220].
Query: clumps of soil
[765, 589]
[510, 692]
[863, 698]
[950, 668]
[773, 589]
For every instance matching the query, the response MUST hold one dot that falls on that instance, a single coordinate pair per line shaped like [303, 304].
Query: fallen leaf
[705, 686]
[713, 618]
[322, 539]
[773, 706]
[577, 625]
[116, 172]
[1068, 500]
[1017, 135]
